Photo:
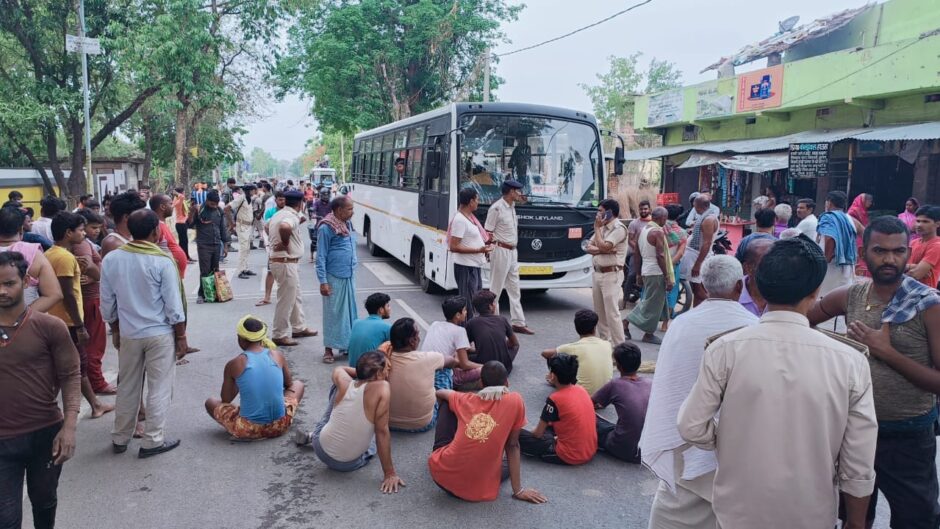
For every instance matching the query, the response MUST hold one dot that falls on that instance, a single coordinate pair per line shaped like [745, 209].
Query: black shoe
[249, 272]
[144, 453]
[243, 275]
[118, 449]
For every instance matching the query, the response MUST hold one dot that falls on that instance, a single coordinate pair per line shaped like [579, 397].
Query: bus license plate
[536, 270]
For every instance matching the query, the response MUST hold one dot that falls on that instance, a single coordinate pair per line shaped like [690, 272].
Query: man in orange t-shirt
[566, 433]
[474, 430]
[162, 205]
[924, 265]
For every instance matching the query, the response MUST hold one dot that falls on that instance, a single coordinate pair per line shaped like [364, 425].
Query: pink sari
[858, 212]
[909, 219]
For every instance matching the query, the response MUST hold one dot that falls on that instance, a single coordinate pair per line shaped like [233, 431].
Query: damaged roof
[781, 42]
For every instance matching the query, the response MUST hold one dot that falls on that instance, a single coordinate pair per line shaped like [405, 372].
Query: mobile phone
[608, 215]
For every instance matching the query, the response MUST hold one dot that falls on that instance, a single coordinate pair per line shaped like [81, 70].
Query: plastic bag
[223, 289]
[208, 289]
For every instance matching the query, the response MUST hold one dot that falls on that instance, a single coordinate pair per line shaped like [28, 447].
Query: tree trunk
[52, 157]
[181, 167]
[77, 178]
[148, 155]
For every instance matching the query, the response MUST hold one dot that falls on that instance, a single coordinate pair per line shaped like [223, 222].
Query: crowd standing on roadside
[812, 423]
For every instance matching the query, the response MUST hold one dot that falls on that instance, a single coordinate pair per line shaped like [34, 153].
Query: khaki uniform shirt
[501, 221]
[613, 232]
[241, 208]
[797, 423]
[295, 247]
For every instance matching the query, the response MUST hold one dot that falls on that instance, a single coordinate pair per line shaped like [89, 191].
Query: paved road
[212, 482]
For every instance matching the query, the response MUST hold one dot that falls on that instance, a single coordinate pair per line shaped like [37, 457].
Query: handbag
[208, 289]
[223, 289]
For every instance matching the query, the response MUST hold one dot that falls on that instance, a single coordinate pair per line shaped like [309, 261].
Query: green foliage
[615, 94]
[262, 163]
[369, 62]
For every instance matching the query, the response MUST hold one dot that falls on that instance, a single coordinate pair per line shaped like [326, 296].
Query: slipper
[285, 342]
[304, 333]
[191, 350]
[328, 359]
[655, 340]
[110, 389]
[262, 303]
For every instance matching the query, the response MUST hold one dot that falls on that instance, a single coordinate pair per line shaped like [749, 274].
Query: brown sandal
[306, 333]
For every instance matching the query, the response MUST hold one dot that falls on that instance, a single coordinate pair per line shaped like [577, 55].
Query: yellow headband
[260, 336]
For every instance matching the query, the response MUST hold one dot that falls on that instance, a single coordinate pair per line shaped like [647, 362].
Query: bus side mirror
[618, 161]
[432, 165]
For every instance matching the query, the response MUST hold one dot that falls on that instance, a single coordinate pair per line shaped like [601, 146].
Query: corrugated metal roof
[918, 131]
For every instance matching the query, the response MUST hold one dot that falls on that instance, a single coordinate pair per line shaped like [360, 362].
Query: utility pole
[90, 186]
[342, 156]
[486, 76]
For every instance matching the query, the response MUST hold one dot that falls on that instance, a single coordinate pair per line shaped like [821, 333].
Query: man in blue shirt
[142, 299]
[372, 331]
[336, 266]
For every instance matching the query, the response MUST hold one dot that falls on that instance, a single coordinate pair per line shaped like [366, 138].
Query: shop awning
[698, 159]
[917, 131]
[757, 163]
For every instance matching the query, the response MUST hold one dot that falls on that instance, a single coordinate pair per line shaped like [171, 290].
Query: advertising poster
[665, 108]
[710, 103]
[760, 89]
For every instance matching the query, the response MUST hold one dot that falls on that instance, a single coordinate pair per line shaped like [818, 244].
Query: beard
[7, 302]
[885, 274]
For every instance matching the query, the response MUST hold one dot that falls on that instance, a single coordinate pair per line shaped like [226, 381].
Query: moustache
[887, 268]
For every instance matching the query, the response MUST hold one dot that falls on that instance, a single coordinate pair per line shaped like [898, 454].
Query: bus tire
[373, 248]
[420, 264]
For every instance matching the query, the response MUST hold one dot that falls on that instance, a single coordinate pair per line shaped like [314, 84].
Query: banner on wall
[710, 103]
[760, 89]
[665, 108]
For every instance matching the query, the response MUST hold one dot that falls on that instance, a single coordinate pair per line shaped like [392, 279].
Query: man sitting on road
[269, 395]
[413, 407]
[490, 333]
[369, 333]
[474, 430]
[355, 424]
[630, 395]
[566, 433]
[450, 339]
[593, 353]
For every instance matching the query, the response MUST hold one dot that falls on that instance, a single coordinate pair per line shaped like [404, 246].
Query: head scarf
[261, 335]
[857, 210]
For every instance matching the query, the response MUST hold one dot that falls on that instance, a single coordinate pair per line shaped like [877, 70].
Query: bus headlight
[584, 244]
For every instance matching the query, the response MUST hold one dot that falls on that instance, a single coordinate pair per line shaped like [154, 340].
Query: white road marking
[387, 274]
[316, 293]
[411, 312]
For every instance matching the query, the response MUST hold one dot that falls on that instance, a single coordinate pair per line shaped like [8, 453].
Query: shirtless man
[121, 207]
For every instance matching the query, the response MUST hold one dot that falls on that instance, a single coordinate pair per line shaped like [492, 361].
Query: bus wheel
[427, 286]
[374, 250]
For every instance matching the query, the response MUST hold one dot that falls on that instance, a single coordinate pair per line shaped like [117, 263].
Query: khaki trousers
[690, 507]
[244, 245]
[606, 292]
[289, 310]
[154, 357]
[504, 273]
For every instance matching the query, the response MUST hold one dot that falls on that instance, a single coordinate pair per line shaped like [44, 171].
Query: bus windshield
[555, 160]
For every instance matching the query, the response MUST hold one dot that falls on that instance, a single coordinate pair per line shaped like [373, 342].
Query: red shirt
[166, 238]
[570, 412]
[930, 252]
[483, 426]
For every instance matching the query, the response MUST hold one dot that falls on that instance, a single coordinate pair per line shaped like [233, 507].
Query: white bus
[554, 152]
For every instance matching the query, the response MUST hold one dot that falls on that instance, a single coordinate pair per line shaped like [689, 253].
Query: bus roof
[484, 108]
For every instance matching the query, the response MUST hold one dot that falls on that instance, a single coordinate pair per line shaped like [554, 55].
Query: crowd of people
[812, 423]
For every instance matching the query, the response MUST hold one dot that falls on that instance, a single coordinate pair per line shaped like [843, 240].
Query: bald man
[656, 278]
[699, 246]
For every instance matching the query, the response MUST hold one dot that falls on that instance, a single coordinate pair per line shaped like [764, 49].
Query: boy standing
[89, 259]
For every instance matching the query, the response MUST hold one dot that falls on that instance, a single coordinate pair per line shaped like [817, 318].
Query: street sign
[82, 44]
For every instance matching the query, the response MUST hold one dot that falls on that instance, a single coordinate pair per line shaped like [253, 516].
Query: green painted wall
[899, 71]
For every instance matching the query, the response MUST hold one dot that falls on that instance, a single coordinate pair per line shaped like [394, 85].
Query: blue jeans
[339, 466]
[426, 428]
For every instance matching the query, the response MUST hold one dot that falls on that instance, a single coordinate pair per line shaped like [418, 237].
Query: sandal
[304, 333]
[328, 359]
[262, 303]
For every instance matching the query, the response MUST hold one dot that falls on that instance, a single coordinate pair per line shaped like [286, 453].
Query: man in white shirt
[470, 246]
[683, 499]
[797, 422]
[48, 207]
[806, 212]
[449, 338]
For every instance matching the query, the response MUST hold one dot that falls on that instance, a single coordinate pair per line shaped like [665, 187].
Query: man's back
[795, 406]
[489, 333]
[142, 291]
[412, 384]
[367, 334]
[595, 365]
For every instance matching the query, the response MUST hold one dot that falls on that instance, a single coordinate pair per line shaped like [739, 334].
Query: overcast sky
[690, 33]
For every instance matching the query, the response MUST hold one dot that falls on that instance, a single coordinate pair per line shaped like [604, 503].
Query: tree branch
[123, 116]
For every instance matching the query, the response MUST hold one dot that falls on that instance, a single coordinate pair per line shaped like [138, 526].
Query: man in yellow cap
[269, 396]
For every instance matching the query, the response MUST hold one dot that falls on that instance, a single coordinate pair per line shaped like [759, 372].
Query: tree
[262, 163]
[615, 95]
[370, 62]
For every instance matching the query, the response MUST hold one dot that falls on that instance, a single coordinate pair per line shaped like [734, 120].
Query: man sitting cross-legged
[269, 396]
[491, 334]
[474, 430]
[356, 420]
[593, 353]
[566, 433]
[450, 339]
[630, 395]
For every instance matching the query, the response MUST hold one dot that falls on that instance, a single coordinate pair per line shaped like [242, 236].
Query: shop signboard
[664, 108]
[760, 89]
[710, 103]
[664, 199]
[809, 160]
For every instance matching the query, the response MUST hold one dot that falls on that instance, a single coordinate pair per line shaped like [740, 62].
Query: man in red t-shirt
[162, 205]
[566, 432]
[924, 265]
[470, 465]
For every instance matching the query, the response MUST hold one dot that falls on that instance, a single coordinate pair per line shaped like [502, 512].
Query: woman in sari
[908, 217]
[676, 238]
[858, 212]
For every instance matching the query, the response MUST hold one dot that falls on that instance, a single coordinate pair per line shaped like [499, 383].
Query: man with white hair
[783, 213]
[683, 499]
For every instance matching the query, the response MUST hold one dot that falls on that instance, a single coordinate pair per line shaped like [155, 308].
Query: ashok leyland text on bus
[555, 153]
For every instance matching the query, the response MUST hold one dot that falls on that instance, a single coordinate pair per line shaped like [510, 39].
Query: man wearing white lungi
[503, 225]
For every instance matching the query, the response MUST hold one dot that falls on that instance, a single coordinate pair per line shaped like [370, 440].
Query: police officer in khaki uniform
[502, 223]
[609, 248]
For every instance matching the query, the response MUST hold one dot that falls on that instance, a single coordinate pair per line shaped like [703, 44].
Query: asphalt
[211, 481]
